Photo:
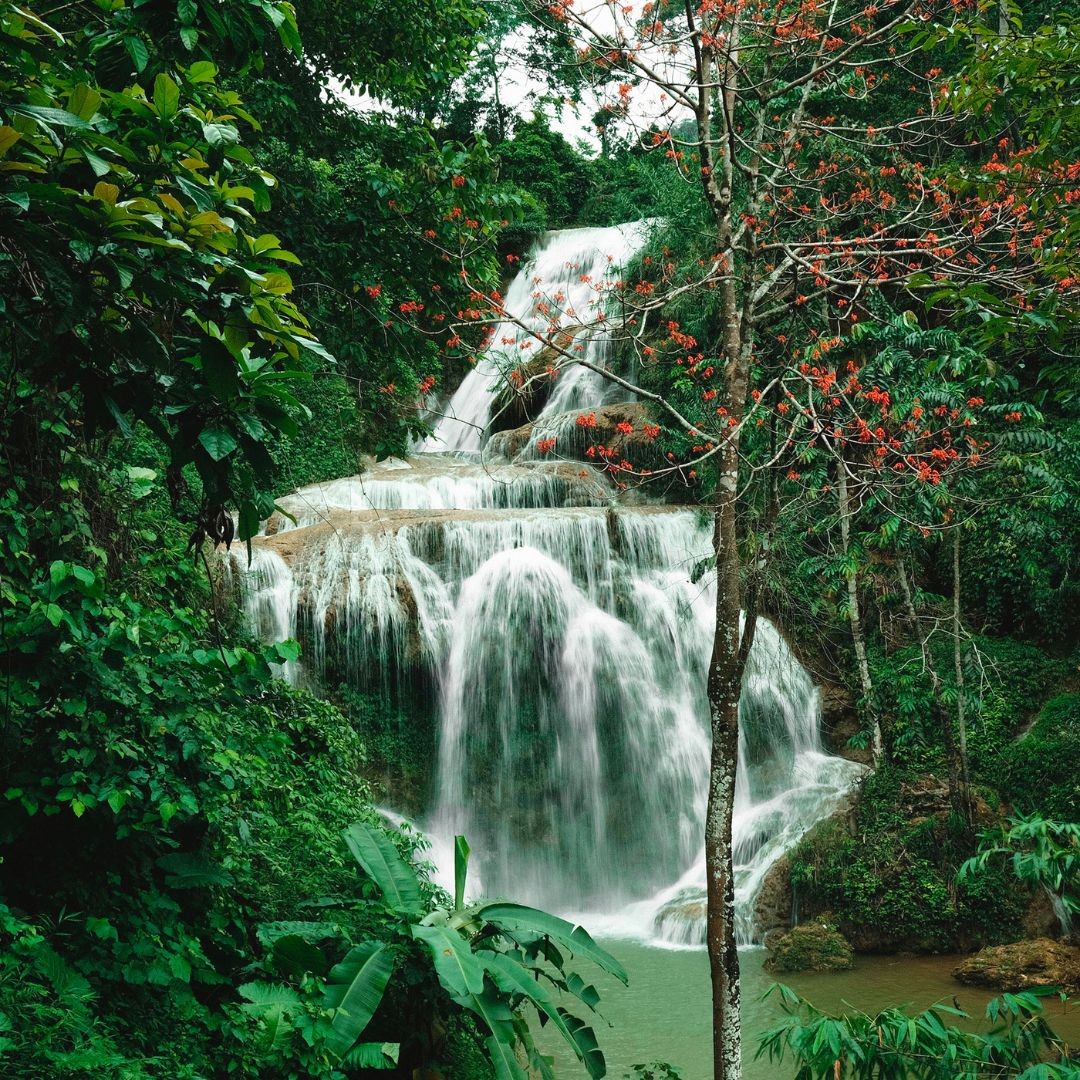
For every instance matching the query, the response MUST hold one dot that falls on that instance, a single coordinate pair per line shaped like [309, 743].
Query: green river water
[664, 1013]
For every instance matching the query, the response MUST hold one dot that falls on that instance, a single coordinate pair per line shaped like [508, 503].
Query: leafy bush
[1038, 773]
[490, 961]
[1006, 681]
[890, 885]
[894, 1045]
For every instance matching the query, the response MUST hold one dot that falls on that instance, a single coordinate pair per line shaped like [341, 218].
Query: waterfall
[562, 640]
[561, 292]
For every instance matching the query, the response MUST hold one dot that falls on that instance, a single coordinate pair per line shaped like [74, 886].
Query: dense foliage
[220, 281]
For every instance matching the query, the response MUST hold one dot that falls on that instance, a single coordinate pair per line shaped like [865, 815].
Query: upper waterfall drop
[563, 287]
[560, 642]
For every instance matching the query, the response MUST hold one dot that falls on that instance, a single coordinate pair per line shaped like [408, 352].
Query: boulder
[1023, 966]
[812, 946]
[600, 429]
[1040, 919]
[682, 919]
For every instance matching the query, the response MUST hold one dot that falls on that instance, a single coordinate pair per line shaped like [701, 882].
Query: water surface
[664, 1014]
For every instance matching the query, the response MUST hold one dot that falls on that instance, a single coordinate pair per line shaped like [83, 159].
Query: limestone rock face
[572, 439]
[772, 909]
[840, 723]
[1022, 966]
[1041, 920]
[813, 946]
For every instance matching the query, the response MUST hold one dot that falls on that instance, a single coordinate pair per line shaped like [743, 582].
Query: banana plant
[496, 960]
[493, 959]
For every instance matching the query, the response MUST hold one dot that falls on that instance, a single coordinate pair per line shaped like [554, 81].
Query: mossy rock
[1023, 965]
[813, 946]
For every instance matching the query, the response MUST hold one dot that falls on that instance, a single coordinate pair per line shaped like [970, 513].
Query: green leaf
[510, 977]
[137, 50]
[220, 135]
[166, 96]
[45, 114]
[295, 956]
[372, 1056]
[586, 1046]
[84, 101]
[218, 442]
[461, 869]
[517, 917]
[141, 481]
[458, 968]
[266, 996]
[503, 1058]
[186, 871]
[202, 71]
[382, 862]
[354, 989]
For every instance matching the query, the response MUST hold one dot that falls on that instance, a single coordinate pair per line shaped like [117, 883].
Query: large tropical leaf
[310, 931]
[458, 968]
[517, 917]
[372, 1056]
[585, 1044]
[295, 956]
[510, 977]
[262, 996]
[187, 871]
[507, 1066]
[494, 1010]
[272, 1003]
[353, 990]
[382, 862]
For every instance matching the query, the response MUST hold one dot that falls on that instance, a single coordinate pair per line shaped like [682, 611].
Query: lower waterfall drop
[562, 641]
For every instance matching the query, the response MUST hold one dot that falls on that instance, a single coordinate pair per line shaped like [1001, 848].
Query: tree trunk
[958, 669]
[499, 119]
[855, 615]
[957, 787]
[725, 677]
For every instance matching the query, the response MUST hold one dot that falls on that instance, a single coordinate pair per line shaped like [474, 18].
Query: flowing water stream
[561, 642]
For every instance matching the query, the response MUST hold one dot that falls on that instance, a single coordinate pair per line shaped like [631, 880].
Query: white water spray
[564, 642]
[565, 288]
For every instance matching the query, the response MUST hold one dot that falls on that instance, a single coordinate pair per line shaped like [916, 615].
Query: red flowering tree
[822, 141]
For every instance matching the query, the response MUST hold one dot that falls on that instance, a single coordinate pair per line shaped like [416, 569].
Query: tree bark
[855, 615]
[957, 789]
[958, 669]
[725, 679]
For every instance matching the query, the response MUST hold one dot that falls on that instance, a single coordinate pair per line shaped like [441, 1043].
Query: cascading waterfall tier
[563, 292]
[563, 641]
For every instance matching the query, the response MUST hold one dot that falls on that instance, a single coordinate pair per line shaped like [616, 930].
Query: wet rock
[682, 919]
[928, 797]
[813, 946]
[840, 724]
[573, 440]
[771, 937]
[773, 906]
[1040, 919]
[1022, 966]
[523, 394]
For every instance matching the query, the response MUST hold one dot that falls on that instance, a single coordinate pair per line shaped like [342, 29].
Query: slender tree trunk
[498, 97]
[957, 788]
[725, 677]
[958, 669]
[858, 637]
